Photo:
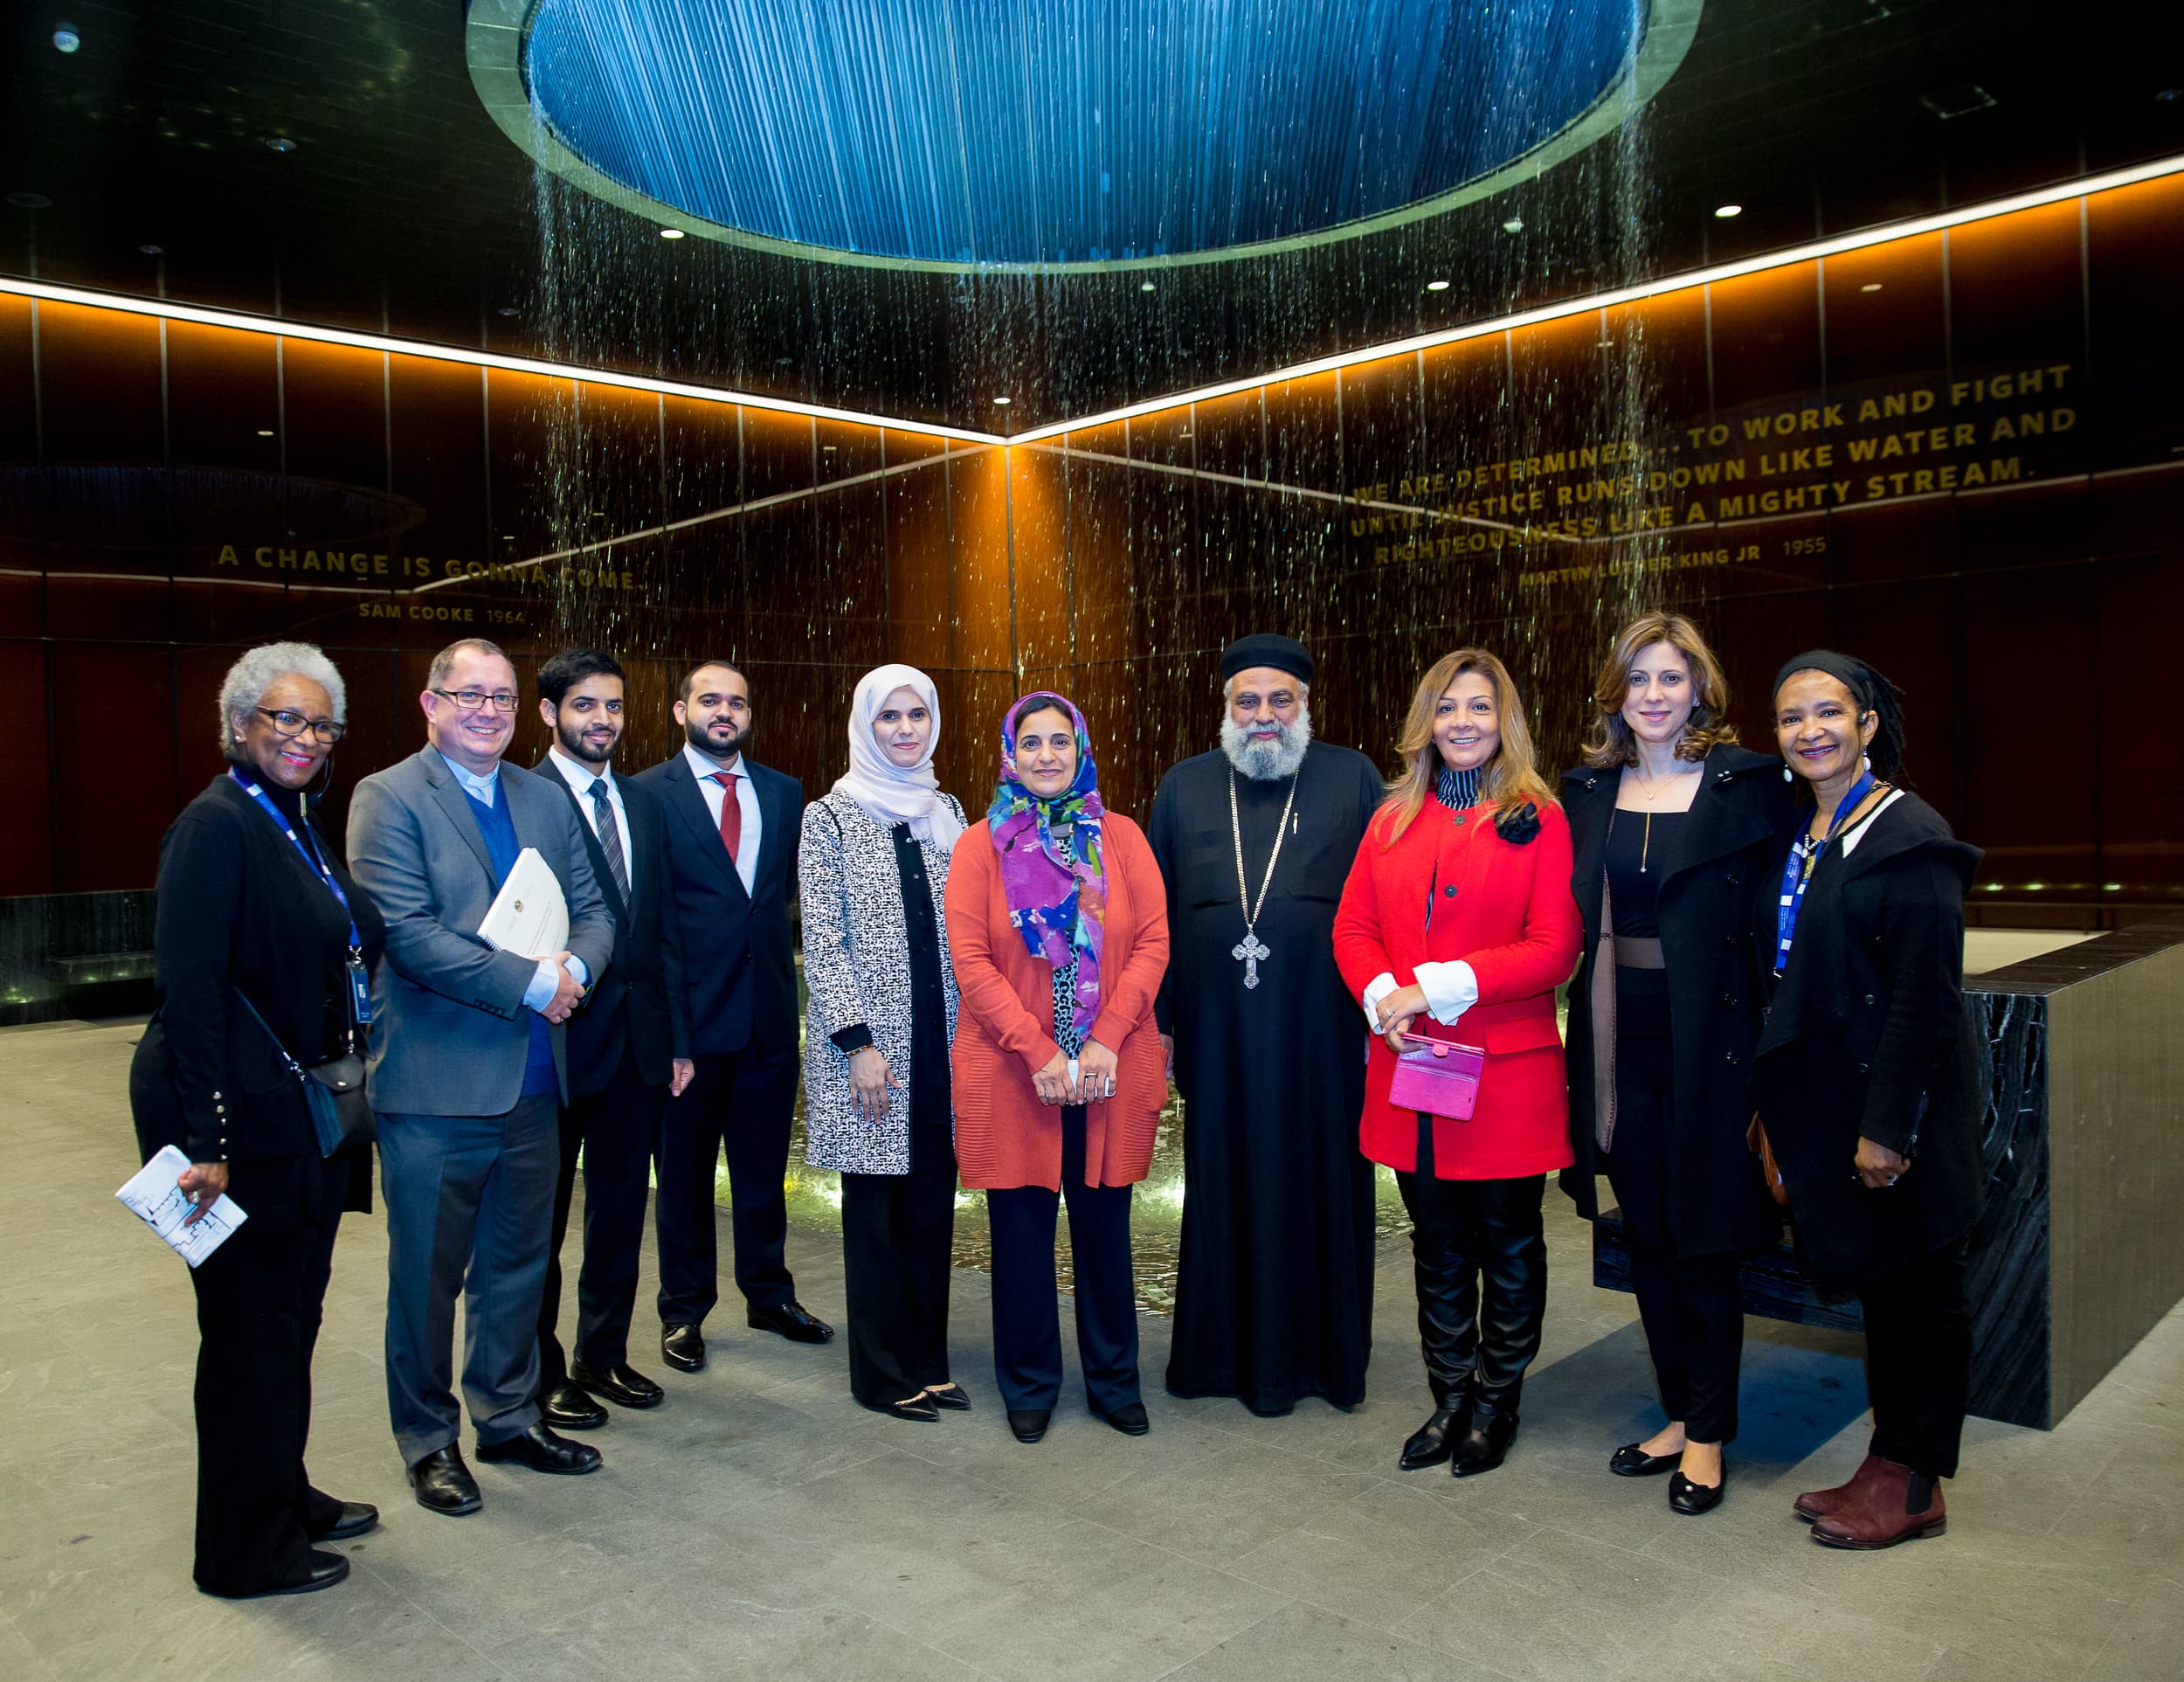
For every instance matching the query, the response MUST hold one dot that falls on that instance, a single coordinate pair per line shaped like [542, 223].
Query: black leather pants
[1481, 1260]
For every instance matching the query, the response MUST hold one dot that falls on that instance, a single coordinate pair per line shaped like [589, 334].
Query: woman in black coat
[1867, 1078]
[1670, 825]
[254, 906]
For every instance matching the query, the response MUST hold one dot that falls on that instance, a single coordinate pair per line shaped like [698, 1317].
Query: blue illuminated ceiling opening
[1060, 134]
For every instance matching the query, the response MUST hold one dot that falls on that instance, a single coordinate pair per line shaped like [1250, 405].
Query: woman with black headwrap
[1866, 1079]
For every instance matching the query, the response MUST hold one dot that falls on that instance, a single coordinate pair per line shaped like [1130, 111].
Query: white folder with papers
[152, 1196]
[528, 915]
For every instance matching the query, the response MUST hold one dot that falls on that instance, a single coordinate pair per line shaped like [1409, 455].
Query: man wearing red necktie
[732, 826]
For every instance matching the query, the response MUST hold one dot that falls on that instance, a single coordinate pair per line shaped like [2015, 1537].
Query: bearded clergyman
[1273, 1301]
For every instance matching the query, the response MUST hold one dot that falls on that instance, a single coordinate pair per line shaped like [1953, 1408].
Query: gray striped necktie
[610, 836]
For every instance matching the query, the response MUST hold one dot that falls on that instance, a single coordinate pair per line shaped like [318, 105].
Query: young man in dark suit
[629, 1047]
[732, 830]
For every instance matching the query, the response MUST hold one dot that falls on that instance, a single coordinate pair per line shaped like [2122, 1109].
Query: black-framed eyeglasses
[289, 725]
[475, 700]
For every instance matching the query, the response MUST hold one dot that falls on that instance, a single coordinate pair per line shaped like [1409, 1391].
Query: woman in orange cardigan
[1457, 924]
[1058, 926]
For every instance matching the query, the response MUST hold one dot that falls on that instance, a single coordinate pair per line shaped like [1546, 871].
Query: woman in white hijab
[873, 868]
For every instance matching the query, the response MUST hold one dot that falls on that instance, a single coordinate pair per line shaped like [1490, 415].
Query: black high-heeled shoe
[1690, 1499]
[918, 1409]
[951, 1396]
[1632, 1461]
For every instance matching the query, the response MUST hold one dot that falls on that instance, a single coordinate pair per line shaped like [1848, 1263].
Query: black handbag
[333, 1092]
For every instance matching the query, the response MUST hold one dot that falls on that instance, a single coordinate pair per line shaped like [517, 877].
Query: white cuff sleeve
[543, 985]
[1450, 989]
[1377, 989]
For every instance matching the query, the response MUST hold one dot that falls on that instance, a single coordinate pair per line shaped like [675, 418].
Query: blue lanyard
[1797, 871]
[309, 851]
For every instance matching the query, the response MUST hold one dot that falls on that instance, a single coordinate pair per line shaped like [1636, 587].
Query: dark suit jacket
[737, 948]
[640, 1003]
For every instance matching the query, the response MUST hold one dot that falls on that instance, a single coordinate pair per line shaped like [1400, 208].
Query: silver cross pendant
[1249, 952]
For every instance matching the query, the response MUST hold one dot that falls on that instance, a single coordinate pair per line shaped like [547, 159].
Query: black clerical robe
[1274, 1299]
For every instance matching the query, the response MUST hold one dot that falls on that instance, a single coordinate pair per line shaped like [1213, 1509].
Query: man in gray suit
[466, 1073]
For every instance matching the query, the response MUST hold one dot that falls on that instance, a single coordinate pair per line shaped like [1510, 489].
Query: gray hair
[444, 661]
[249, 678]
[1228, 687]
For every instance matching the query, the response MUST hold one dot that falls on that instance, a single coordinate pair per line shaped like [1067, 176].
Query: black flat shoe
[951, 1396]
[1029, 1424]
[1129, 1419]
[918, 1409]
[537, 1449]
[443, 1484]
[356, 1517]
[1485, 1446]
[1432, 1442]
[327, 1569]
[1690, 1499]
[1632, 1461]
[624, 1386]
[682, 1347]
[790, 1320]
[568, 1409]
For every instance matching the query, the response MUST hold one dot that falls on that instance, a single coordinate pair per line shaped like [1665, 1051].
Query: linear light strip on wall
[1685, 281]
[2086, 187]
[237, 321]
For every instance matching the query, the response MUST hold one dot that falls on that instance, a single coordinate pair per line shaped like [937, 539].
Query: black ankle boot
[1485, 1445]
[1432, 1443]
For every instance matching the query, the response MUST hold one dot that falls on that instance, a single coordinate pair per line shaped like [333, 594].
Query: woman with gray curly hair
[264, 946]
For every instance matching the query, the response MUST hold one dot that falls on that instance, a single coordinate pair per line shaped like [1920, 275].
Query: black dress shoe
[1687, 1498]
[443, 1484]
[356, 1517]
[1434, 1442]
[1632, 1461]
[624, 1386]
[953, 1396]
[1129, 1419]
[1485, 1446]
[1029, 1424]
[918, 1409]
[790, 1320]
[682, 1346]
[568, 1409]
[327, 1569]
[539, 1450]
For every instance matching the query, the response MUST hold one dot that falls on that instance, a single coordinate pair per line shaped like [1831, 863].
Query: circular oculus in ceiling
[1068, 134]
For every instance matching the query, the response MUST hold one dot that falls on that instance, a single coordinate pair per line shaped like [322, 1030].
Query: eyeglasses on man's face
[475, 700]
[289, 725]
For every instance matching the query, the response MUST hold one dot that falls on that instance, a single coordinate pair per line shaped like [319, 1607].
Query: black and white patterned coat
[857, 969]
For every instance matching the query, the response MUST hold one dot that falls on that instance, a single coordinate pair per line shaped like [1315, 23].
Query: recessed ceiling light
[1514, 225]
[1002, 403]
[2169, 95]
[1725, 212]
[30, 201]
[66, 38]
[153, 251]
[1436, 286]
[506, 309]
[265, 431]
[671, 233]
[1145, 286]
[280, 143]
[1870, 286]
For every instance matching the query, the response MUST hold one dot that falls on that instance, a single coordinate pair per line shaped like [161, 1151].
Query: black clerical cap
[1283, 654]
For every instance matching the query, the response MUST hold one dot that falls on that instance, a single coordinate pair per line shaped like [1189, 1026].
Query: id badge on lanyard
[359, 989]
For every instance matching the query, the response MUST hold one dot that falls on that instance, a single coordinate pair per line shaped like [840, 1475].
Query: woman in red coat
[1457, 924]
[1058, 927]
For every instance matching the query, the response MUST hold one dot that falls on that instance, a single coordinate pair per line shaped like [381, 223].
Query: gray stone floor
[761, 1524]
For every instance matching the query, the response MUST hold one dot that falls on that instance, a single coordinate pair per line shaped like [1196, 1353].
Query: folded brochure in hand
[154, 1198]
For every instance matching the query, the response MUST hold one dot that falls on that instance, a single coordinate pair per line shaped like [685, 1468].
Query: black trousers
[616, 1130]
[739, 1102]
[1918, 1362]
[1692, 1306]
[898, 1240]
[1027, 1316]
[259, 1298]
[1480, 1256]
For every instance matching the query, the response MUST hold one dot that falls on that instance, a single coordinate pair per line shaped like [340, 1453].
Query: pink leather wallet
[1437, 1076]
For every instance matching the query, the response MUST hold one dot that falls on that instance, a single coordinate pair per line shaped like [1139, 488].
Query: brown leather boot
[1882, 1515]
[1816, 1504]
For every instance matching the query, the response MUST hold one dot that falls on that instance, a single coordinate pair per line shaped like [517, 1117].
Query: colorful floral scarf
[1057, 894]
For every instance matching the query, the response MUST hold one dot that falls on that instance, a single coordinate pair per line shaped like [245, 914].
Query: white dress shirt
[746, 801]
[580, 777]
[1450, 990]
